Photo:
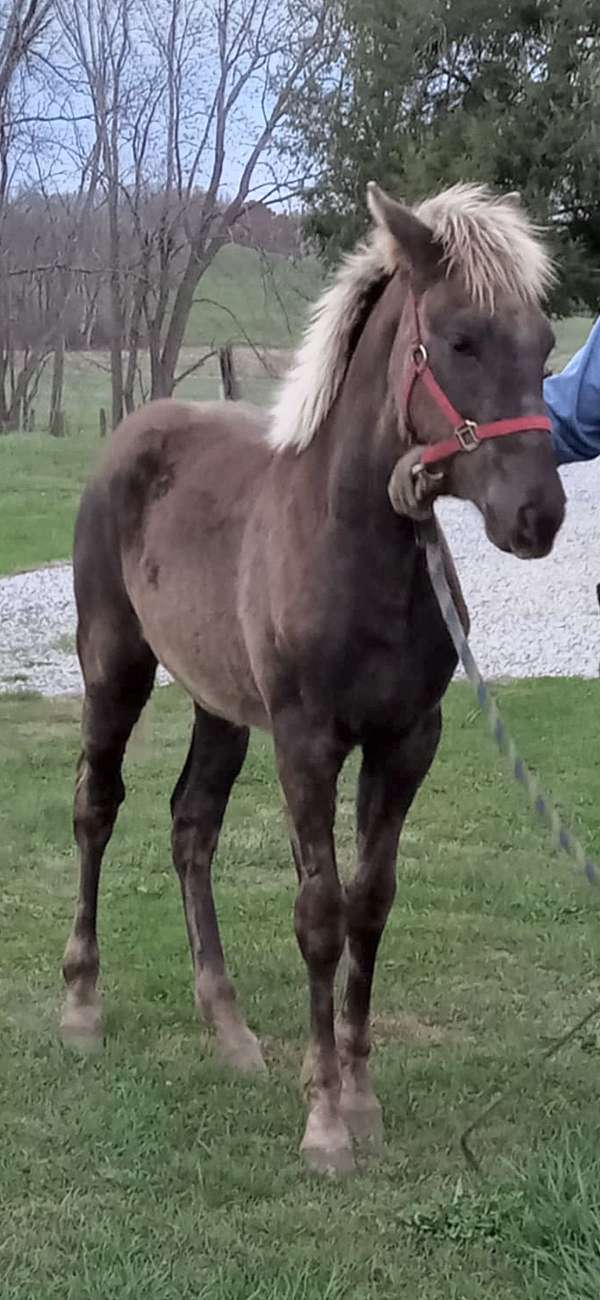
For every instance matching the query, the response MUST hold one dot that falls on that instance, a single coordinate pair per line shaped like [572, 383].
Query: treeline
[424, 96]
[137, 140]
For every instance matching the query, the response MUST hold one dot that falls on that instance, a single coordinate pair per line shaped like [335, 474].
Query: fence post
[229, 385]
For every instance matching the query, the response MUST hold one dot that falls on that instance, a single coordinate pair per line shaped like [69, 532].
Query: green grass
[41, 477]
[260, 297]
[570, 335]
[150, 1172]
[40, 484]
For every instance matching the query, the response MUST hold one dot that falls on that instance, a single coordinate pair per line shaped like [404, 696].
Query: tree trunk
[20, 389]
[116, 379]
[155, 371]
[133, 344]
[116, 312]
[3, 402]
[56, 421]
[18, 394]
[180, 313]
[130, 375]
[89, 317]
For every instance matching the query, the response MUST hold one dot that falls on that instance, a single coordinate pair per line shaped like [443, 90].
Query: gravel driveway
[532, 619]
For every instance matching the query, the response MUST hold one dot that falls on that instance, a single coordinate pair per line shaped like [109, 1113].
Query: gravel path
[529, 620]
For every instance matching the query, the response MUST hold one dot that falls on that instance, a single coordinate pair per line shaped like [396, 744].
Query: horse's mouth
[530, 543]
[512, 546]
[531, 552]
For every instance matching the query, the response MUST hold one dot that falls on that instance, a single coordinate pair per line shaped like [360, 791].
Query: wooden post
[229, 385]
[102, 422]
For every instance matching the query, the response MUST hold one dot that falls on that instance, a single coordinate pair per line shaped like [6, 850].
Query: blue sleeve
[573, 401]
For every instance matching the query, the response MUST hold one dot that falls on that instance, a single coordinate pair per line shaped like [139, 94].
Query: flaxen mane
[488, 240]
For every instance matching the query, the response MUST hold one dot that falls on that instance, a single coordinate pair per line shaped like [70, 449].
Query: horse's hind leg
[198, 804]
[118, 669]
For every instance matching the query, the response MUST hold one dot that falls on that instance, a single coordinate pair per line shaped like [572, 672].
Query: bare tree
[97, 36]
[189, 98]
[273, 46]
[24, 25]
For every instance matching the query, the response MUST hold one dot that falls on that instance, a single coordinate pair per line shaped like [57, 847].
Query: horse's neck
[363, 434]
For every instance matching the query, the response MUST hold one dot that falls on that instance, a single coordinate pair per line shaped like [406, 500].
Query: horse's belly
[216, 696]
[192, 628]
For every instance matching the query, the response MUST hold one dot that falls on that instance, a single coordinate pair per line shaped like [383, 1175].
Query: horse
[267, 561]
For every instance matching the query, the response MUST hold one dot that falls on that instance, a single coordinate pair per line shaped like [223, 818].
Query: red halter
[466, 434]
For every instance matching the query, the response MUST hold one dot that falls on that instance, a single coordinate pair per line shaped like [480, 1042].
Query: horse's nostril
[535, 529]
[526, 522]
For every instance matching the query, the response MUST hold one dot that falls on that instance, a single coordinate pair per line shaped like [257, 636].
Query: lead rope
[427, 537]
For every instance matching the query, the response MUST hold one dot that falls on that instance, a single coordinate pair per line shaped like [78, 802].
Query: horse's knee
[370, 897]
[320, 920]
[193, 843]
[99, 792]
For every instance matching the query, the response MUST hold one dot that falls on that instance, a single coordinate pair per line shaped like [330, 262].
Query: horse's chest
[390, 677]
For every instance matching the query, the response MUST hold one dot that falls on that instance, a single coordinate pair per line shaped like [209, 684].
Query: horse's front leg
[309, 760]
[391, 773]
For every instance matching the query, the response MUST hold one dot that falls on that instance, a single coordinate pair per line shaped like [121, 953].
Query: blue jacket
[573, 401]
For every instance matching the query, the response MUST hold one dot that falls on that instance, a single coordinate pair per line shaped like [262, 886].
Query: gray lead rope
[427, 536]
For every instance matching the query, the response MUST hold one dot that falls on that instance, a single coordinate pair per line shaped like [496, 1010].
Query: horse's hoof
[327, 1147]
[242, 1054]
[81, 1029]
[333, 1162]
[366, 1127]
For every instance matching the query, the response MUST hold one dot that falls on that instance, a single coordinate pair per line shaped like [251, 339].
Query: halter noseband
[466, 434]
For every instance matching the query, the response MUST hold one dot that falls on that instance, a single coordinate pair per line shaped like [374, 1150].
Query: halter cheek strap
[466, 434]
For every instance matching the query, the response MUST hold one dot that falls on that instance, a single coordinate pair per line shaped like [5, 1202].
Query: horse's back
[170, 440]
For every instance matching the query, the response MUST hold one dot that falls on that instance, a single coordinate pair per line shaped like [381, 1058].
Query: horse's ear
[411, 238]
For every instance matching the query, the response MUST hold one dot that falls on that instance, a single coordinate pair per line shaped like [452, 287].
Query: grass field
[148, 1172]
[246, 294]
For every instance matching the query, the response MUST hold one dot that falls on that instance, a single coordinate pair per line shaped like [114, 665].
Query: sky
[58, 164]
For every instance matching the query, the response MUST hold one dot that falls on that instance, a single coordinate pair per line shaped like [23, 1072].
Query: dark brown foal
[266, 565]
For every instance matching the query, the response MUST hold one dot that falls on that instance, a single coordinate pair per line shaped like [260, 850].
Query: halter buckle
[420, 358]
[466, 435]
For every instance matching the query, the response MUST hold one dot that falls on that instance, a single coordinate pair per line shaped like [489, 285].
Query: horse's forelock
[490, 242]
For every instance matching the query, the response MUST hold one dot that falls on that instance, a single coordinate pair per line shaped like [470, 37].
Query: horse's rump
[177, 487]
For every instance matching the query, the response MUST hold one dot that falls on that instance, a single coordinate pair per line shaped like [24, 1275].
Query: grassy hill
[248, 295]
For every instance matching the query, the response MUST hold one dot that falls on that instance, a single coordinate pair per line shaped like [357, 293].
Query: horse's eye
[464, 346]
